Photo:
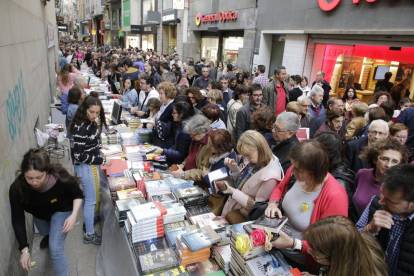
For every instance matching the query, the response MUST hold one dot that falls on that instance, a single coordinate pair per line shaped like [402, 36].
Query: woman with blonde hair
[254, 180]
[191, 75]
[66, 77]
[341, 250]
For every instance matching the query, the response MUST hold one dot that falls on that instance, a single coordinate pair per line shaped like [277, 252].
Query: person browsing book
[340, 250]
[86, 139]
[309, 193]
[129, 97]
[255, 180]
[53, 197]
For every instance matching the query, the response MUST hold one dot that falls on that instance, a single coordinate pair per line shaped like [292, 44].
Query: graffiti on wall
[16, 108]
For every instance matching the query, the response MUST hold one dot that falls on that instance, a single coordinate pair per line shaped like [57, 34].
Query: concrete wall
[24, 103]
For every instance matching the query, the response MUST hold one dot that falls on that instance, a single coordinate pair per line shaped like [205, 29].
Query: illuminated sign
[218, 16]
[324, 5]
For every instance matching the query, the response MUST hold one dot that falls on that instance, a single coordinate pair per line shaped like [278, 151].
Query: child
[355, 127]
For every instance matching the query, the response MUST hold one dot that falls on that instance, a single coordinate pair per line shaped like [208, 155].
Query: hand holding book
[225, 188]
[272, 210]
[284, 241]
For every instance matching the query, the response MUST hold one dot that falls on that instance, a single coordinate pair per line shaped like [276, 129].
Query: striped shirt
[262, 80]
[86, 140]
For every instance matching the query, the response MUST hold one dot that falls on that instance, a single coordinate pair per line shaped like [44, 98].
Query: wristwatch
[273, 201]
[183, 175]
[297, 245]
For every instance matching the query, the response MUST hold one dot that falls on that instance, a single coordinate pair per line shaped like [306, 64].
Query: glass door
[209, 48]
[231, 47]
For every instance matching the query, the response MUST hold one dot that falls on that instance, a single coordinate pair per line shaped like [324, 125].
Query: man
[155, 59]
[227, 92]
[276, 93]
[284, 132]
[199, 66]
[164, 67]
[305, 104]
[147, 92]
[169, 77]
[320, 75]
[389, 217]
[230, 72]
[185, 67]
[261, 78]
[385, 82]
[177, 61]
[407, 118]
[69, 57]
[378, 130]
[139, 63]
[130, 72]
[316, 96]
[244, 115]
[79, 82]
[203, 81]
[190, 61]
[316, 122]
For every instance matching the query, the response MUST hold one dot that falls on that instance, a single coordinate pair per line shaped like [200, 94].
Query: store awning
[400, 54]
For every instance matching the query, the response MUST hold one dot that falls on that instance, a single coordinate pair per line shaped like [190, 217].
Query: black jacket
[244, 119]
[385, 83]
[162, 134]
[352, 151]
[316, 123]
[282, 150]
[404, 264]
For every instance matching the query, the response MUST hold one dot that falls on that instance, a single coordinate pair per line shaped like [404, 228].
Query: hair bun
[94, 94]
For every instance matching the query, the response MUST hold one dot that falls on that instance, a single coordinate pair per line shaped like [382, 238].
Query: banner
[107, 20]
[178, 4]
[50, 35]
[127, 14]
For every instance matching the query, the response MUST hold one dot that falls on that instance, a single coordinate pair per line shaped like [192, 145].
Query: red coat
[332, 201]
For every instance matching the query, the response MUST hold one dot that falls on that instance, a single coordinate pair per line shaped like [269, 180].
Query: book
[121, 183]
[156, 261]
[176, 225]
[200, 238]
[195, 219]
[175, 271]
[148, 211]
[129, 193]
[291, 272]
[188, 192]
[202, 268]
[274, 225]
[118, 166]
[172, 234]
[217, 223]
[165, 198]
[217, 273]
[150, 245]
[198, 210]
[265, 265]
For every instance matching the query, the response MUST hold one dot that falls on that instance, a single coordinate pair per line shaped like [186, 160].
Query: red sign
[324, 5]
[218, 16]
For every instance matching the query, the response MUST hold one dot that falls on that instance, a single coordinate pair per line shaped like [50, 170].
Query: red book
[118, 166]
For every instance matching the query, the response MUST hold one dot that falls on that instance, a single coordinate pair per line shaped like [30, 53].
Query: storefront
[169, 31]
[148, 35]
[351, 50]
[220, 33]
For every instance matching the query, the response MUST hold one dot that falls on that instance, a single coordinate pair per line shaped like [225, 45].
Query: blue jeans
[89, 177]
[53, 228]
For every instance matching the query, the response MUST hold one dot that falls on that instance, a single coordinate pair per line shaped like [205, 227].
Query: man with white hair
[305, 104]
[320, 81]
[316, 97]
[79, 82]
[284, 132]
[378, 130]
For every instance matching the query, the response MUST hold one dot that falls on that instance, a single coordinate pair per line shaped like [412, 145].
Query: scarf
[50, 183]
[192, 154]
[245, 174]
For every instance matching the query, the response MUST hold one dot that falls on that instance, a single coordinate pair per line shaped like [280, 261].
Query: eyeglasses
[387, 160]
[248, 155]
[401, 137]
[375, 133]
[278, 129]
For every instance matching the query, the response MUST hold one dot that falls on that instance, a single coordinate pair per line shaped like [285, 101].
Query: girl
[349, 98]
[129, 95]
[66, 77]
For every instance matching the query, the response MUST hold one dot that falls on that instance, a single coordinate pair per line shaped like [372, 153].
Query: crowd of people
[346, 186]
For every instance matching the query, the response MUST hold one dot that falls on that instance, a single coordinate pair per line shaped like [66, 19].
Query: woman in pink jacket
[309, 193]
[66, 77]
[255, 181]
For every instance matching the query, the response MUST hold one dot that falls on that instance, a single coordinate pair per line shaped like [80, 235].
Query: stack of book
[120, 183]
[141, 176]
[129, 193]
[157, 261]
[175, 212]
[110, 139]
[206, 267]
[222, 255]
[191, 196]
[140, 166]
[197, 210]
[268, 264]
[133, 153]
[200, 238]
[165, 198]
[112, 151]
[217, 223]
[175, 271]
[176, 183]
[147, 246]
[195, 219]
[157, 187]
[129, 139]
[123, 206]
[172, 234]
[146, 221]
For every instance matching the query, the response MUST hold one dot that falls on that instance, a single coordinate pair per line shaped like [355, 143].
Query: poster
[405, 71]
[351, 71]
[178, 4]
[127, 13]
[107, 20]
[50, 35]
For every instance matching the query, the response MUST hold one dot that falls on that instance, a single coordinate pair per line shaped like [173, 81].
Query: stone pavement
[81, 256]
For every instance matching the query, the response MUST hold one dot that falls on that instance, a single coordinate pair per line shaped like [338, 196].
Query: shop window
[147, 42]
[231, 47]
[114, 19]
[172, 40]
[167, 4]
[147, 5]
[209, 48]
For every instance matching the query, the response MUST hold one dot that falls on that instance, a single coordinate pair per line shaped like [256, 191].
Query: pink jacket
[256, 189]
[72, 77]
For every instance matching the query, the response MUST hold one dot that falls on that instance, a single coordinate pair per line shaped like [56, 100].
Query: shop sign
[127, 13]
[107, 20]
[170, 15]
[178, 4]
[218, 16]
[94, 32]
[325, 6]
[143, 29]
[62, 27]
[121, 33]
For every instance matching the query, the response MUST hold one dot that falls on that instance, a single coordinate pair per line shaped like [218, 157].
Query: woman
[175, 68]
[66, 77]
[380, 156]
[240, 78]
[162, 135]
[399, 132]
[402, 105]
[314, 195]
[213, 70]
[239, 96]
[400, 91]
[191, 75]
[129, 95]
[378, 98]
[219, 70]
[296, 92]
[262, 121]
[114, 78]
[221, 146]
[86, 140]
[96, 67]
[232, 83]
[212, 113]
[199, 153]
[104, 70]
[304, 86]
[195, 96]
[153, 106]
[182, 111]
[334, 120]
[75, 97]
[181, 82]
[215, 97]
[253, 182]
[355, 127]
[75, 62]
[341, 250]
[389, 108]
[53, 197]
[349, 98]
[298, 109]
[148, 70]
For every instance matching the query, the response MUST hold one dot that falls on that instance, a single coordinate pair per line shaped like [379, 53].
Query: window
[148, 5]
[114, 19]
[167, 4]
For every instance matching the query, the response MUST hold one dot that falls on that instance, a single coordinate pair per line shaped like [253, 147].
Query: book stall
[156, 224]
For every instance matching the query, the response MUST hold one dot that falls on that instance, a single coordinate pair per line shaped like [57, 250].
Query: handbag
[258, 210]
[235, 217]
[216, 203]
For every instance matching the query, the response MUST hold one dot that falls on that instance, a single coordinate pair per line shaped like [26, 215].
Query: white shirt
[69, 58]
[152, 94]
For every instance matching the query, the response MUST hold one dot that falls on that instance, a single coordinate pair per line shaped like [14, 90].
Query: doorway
[209, 48]
[276, 56]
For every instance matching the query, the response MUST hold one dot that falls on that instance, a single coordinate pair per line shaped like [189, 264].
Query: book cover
[238, 228]
[188, 192]
[217, 223]
[172, 234]
[198, 210]
[165, 198]
[118, 166]
[129, 193]
[200, 238]
[291, 272]
[126, 204]
[156, 261]
[176, 225]
[266, 265]
[121, 183]
[202, 268]
[175, 271]
[217, 273]
[274, 225]
[150, 245]
[148, 211]
[195, 219]
[148, 176]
